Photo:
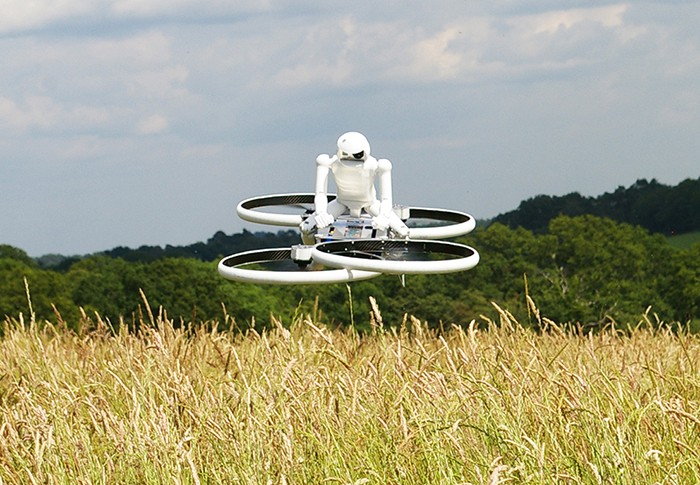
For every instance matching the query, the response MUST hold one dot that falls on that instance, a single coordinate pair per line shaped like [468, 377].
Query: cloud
[20, 15]
[45, 114]
[552, 21]
[353, 50]
[166, 82]
[434, 57]
[184, 8]
[153, 124]
[92, 85]
[350, 51]
[142, 49]
[36, 112]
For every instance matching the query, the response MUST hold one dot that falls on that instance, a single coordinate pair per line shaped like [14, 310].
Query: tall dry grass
[311, 404]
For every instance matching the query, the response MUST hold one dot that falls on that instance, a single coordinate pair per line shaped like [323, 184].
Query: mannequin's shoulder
[325, 160]
[383, 165]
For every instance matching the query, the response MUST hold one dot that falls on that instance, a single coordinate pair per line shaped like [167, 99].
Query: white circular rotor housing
[459, 223]
[248, 267]
[299, 204]
[396, 256]
[439, 223]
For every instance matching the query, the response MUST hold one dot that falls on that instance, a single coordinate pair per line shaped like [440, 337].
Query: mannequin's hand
[400, 228]
[323, 219]
[380, 222]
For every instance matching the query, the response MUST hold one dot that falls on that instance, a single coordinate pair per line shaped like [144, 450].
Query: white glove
[380, 222]
[400, 228]
[323, 219]
[397, 225]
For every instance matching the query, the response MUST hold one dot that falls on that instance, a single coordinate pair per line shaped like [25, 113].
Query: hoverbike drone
[351, 248]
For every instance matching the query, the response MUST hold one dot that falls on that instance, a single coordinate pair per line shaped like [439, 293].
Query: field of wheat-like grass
[307, 403]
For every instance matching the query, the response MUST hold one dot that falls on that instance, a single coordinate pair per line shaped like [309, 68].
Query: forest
[647, 203]
[586, 267]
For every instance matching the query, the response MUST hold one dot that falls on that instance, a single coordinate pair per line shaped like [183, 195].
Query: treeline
[217, 245]
[649, 204]
[583, 269]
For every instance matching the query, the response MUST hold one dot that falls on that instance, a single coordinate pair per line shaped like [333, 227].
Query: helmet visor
[352, 156]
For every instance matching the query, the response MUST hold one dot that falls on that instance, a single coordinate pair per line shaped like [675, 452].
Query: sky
[144, 122]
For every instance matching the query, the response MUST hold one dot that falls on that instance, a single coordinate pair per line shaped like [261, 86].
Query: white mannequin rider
[354, 171]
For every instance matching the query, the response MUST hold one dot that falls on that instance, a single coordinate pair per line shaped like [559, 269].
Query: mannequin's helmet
[353, 146]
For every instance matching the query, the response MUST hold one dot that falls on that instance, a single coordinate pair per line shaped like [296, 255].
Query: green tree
[47, 291]
[682, 288]
[16, 254]
[610, 269]
[107, 286]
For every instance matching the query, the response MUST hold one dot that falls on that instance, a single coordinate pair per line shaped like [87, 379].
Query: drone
[351, 235]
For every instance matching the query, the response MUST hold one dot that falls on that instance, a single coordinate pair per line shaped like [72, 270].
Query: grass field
[684, 241]
[313, 404]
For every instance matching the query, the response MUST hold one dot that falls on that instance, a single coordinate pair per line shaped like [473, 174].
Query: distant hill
[656, 207]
